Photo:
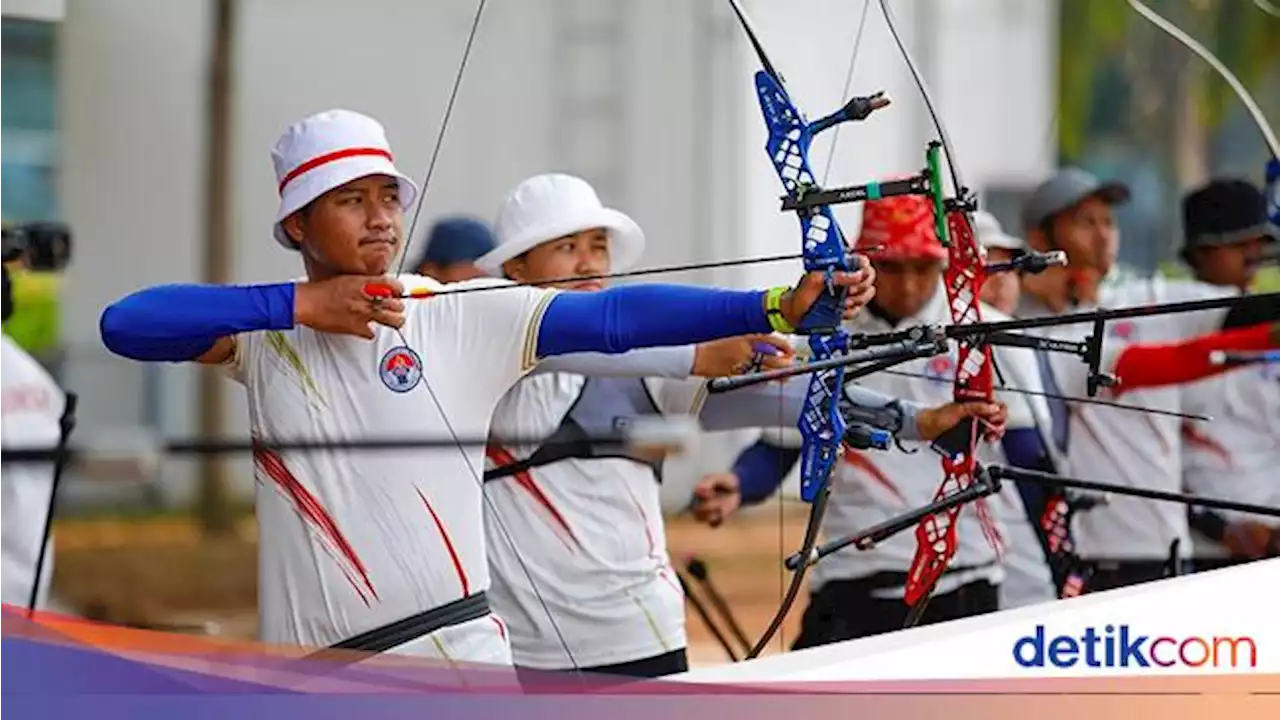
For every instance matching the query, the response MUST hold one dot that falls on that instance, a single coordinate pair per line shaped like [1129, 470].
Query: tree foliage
[1104, 42]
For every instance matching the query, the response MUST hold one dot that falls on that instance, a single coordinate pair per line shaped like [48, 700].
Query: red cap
[902, 226]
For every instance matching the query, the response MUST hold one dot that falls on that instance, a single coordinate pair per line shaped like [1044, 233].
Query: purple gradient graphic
[60, 667]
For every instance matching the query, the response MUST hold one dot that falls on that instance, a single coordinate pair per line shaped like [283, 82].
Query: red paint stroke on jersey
[863, 463]
[648, 534]
[27, 398]
[448, 545]
[310, 508]
[501, 456]
[1192, 435]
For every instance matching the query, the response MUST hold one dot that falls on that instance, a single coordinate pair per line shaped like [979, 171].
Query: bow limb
[824, 249]
[1255, 112]
[1177, 33]
[974, 380]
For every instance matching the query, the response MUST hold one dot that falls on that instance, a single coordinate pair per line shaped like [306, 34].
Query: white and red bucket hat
[328, 150]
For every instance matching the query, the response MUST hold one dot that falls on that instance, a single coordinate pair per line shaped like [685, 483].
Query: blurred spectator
[36, 254]
[1226, 234]
[32, 405]
[452, 249]
[1001, 289]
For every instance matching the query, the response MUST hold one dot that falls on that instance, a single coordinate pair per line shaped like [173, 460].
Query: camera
[45, 246]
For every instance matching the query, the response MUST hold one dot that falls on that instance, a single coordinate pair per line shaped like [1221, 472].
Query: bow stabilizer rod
[1226, 357]
[985, 484]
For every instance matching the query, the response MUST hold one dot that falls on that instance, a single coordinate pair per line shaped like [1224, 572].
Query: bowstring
[844, 93]
[444, 126]
[466, 459]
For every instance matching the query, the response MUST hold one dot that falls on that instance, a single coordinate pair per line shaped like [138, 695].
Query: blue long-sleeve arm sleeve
[181, 322]
[761, 468]
[177, 323]
[636, 316]
[1024, 448]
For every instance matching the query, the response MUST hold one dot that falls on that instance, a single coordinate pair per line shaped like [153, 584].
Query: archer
[1128, 540]
[351, 544]
[860, 592]
[581, 573]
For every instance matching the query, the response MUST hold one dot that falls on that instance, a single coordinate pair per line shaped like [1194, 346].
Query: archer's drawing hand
[715, 498]
[932, 423]
[1247, 538]
[739, 355]
[343, 305]
[860, 285]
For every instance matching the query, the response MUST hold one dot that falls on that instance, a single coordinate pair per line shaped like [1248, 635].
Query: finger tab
[378, 290]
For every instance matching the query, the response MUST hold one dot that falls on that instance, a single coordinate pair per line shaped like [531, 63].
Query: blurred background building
[146, 125]
[109, 120]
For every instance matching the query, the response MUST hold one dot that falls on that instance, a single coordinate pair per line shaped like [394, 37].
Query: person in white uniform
[385, 551]
[1129, 539]
[584, 579]
[857, 593]
[1226, 237]
[1028, 579]
[32, 407]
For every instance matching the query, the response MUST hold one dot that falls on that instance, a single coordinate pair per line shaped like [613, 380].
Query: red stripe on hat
[334, 156]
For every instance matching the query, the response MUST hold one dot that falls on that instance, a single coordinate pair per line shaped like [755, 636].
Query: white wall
[133, 74]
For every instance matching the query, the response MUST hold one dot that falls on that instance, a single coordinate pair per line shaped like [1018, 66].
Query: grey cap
[1065, 189]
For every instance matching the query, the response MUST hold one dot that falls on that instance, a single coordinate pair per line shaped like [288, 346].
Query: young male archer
[352, 542]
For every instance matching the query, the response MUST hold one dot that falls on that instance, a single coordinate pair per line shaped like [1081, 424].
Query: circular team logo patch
[939, 367]
[400, 369]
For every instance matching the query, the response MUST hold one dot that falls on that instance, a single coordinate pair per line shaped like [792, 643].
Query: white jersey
[871, 486]
[1128, 447]
[1027, 579]
[578, 547]
[32, 405]
[1236, 455]
[353, 540]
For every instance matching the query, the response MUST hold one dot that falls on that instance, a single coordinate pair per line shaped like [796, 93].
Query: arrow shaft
[1065, 398]
[1003, 472]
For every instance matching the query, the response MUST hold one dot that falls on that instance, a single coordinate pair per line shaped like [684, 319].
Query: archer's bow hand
[933, 423]
[857, 288]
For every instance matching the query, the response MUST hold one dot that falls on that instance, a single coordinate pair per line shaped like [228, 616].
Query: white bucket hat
[991, 235]
[546, 207]
[328, 150]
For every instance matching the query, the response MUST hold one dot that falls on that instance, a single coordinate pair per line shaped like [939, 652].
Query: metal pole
[214, 503]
